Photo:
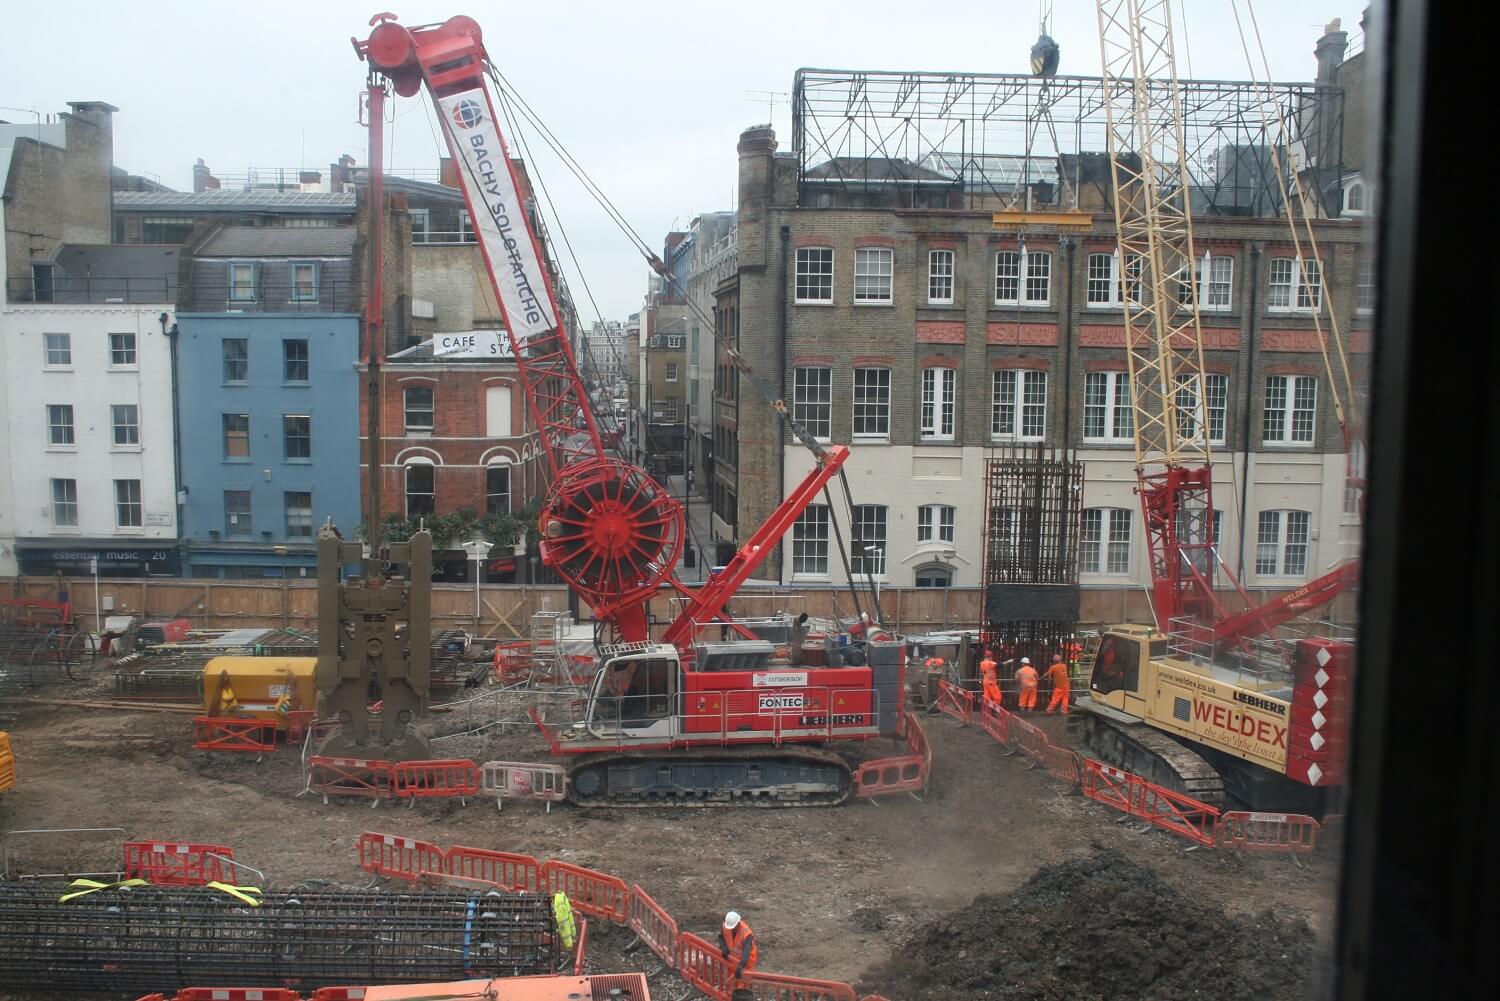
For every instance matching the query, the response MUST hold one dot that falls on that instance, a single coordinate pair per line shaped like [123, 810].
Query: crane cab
[1120, 676]
[634, 695]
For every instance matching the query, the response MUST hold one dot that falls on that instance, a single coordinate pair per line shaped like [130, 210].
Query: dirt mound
[1095, 928]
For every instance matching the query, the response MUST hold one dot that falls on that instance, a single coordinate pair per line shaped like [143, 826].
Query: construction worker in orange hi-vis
[1057, 676]
[1026, 678]
[739, 948]
[987, 668]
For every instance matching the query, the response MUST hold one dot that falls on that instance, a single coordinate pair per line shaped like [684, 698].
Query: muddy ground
[833, 892]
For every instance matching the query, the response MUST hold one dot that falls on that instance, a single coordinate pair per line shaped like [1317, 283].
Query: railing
[62, 289]
[443, 238]
[828, 705]
[325, 296]
[1252, 660]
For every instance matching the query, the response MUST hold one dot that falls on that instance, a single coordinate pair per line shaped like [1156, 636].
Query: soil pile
[1096, 928]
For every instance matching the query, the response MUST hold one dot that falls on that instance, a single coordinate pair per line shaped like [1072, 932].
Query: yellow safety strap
[84, 887]
[247, 894]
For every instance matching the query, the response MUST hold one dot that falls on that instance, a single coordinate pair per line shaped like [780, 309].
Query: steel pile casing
[152, 938]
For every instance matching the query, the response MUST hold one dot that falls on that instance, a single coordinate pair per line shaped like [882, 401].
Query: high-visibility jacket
[1026, 676]
[562, 914]
[739, 945]
[1057, 674]
[987, 666]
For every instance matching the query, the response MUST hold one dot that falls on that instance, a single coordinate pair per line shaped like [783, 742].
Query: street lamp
[478, 551]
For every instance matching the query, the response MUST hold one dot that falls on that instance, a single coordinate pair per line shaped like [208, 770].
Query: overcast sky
[650, 96]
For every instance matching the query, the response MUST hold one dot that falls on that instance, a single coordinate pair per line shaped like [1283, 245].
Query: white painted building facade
[86, 393]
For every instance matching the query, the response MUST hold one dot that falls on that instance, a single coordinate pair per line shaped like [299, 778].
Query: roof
[394, 182]
[279, 241]
[221, 200]
[115, 272]
[873, 168]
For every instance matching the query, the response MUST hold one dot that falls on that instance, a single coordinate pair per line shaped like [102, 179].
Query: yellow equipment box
[259, 687]
[7, 763]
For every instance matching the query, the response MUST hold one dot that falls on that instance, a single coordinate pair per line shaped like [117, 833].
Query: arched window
[421, 488]
[1355, 198]
[936, 575]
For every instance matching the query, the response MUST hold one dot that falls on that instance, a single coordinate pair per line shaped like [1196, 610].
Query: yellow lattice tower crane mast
[1163, 342]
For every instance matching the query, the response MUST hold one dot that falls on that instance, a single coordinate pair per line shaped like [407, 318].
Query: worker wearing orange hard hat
[737, 942]
[987, 668]
[1026, 678]
[1057, 676]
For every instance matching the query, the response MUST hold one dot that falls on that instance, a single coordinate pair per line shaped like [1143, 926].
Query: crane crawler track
[1154, 756]
[753, 776]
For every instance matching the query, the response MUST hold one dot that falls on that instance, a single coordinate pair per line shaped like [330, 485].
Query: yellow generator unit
[259, 687]
[7, 763]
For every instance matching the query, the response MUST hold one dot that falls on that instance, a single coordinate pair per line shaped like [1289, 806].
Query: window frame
[802, 404]
[490, 493]
[857, 405]
[1020, 380]
[810, 551]
[671, 372]
[65, 351]
[228, 435]
[122, 505]
[1364, 286]
[1106, 539]
[872, 278]
[420, 234]
[1116, 383]
[407, 494]
[1288, 411]
[289, 526]
[235, 267]
[1210, 401]
[1296, 285]
[313, 284]
[232, 516]
[807, 280]
[407, 410]
[936, 524]
[935, 276]
[287, 361]
[1282, 543]
[58, 427]
[861, 518]
[132, 426]
[61, 516]
[1023, 281]
[288, 437]
[227, 360]
[942, 409]
[1186, 292]
[123, 357]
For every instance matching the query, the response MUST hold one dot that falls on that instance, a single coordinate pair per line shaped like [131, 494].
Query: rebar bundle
[143, 939]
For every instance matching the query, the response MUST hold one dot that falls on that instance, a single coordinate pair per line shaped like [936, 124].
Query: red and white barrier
[504, 780]
[1287, 833]
[224, 733]
[514, 872]
[776, 987]
[174, 863]
[589, 891]
[653, 925]
[399, 858]
[370, 779]
[415, 780]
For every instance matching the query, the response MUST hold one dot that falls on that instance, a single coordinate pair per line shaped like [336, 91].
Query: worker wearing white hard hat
[1026, 678]
[737, 942]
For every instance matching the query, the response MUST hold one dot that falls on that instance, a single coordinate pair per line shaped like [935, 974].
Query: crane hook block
[1044, 57]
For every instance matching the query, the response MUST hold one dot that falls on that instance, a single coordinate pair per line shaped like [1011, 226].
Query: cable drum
[611, 531]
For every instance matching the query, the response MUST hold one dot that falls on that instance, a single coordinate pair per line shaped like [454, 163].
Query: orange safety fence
[1290, 833]
[349, 777]
[426, 779]
[583, 937]
[507, 869]
[175, 863]
[225, 733]
[338, 994]
[890, 775]
[1171, 811]
[653, 925]
[703, 966]
[1028, 738]
[589, 891]
[1063, 764]
[955, 701]
[401, 858]
[236, 994]
[775, 987]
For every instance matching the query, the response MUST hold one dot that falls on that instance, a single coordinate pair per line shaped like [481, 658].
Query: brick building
[887, 299]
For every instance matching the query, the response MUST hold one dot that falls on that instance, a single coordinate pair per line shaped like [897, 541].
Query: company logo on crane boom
[467, 114]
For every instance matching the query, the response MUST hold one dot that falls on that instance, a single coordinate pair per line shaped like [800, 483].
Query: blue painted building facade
[267, 342]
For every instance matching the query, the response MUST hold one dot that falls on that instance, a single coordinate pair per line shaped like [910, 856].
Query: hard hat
[732, 920]
[1026, 660]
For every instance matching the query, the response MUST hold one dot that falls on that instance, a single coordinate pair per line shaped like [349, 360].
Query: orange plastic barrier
[515, 872]
[173, 863]
[1288, 833]
[401, 858]
[349, 777]
[1029, 739]
[583, 937]
[589, 891]
[775, 987]
[1063, 764]
[955, 701]
[1171, 811]
[224, 733]
[995, 719]
[338, 994]
[653, 925]
[704, 967]
[428, 779]
[890, 775]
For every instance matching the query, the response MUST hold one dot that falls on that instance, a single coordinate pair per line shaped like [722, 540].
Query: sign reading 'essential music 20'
[500, 215]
